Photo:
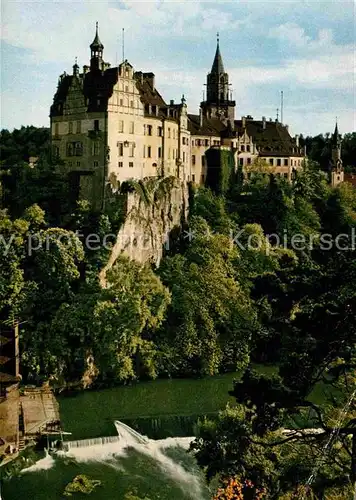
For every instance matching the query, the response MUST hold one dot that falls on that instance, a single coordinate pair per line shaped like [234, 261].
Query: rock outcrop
[154, 207]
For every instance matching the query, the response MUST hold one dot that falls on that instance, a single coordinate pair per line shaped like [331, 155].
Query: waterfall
[123, 430]
[44, 464]
[106, 449]
[188, 482]
[113, 452]
[85, 443]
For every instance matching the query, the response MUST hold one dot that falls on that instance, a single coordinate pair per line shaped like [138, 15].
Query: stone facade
[112, 124]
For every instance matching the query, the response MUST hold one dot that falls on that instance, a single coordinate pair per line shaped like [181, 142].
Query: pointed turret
[337, 170]
[96, 43]
[218, 65]
[96, 49]
[336, 137]
[218, 103]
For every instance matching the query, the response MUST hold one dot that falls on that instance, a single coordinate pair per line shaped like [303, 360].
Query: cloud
[327, 72]
[266, 47]
[296, 36]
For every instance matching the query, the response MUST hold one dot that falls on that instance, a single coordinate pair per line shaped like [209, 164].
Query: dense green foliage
[307, 314]
[21, 144]
[263, 272]
[319, 147]
[220, 170]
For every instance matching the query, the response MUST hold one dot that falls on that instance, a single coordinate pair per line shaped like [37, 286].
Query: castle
[112, 124]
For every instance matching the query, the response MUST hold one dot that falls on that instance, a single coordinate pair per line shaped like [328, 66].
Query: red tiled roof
[351, 178]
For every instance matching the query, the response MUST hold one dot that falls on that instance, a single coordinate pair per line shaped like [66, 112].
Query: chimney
[171, 102]
[243, 122]
[264, 122]
[139, 76]
[85, 69]
[201, 117]
[287, 128]
[297, 140]
[150, 77]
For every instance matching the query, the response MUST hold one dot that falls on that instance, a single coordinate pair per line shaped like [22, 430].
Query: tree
[14, 291]
[318, 350]
[45, 184]
[210, 319]
[113, 326]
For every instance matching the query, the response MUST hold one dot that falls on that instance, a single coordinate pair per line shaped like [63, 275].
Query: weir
[85, 443]
[123, 429]
[113, 451]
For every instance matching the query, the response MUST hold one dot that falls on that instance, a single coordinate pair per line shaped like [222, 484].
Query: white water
[45, 463]
[85, 443]
[106, 449]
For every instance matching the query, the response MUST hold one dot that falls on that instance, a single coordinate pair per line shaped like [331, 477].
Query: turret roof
[96, 44]
[218, 66]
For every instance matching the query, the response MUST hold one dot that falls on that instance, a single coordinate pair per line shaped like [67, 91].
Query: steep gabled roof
[273, 140]
[210, 127]
[97, 89]
[150, 95]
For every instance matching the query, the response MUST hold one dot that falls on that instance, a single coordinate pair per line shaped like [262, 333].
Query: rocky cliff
[153, 208]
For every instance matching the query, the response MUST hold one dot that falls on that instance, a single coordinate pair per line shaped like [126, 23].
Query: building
[25, 415]
[336, 166]
[9, 393]
[112, 124]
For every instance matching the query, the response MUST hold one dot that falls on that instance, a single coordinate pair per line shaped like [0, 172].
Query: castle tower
[96, 48]
[218, 102]
[337, 170]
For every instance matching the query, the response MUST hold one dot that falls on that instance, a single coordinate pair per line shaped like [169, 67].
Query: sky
[305, 48]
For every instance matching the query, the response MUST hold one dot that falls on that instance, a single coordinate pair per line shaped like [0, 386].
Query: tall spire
[337, 170]
[218, 103]
[336, 134]
[218, 66]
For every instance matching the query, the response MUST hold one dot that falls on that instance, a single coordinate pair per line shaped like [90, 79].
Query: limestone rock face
[149, 221]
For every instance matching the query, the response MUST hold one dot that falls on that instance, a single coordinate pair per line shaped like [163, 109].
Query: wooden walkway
[40, 410]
